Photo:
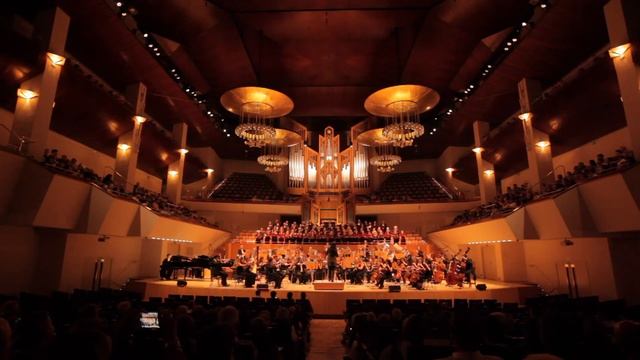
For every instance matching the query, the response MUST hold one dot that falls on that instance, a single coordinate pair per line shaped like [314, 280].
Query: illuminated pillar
[536, 142]
[210, 179]
[622, 17]
[486, 174]
[36, 96]
[129, 143]
[176, 169]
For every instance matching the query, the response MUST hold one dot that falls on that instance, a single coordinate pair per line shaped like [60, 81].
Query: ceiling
[327, 55]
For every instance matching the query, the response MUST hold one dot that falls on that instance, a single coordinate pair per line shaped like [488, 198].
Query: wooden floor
[333, 302]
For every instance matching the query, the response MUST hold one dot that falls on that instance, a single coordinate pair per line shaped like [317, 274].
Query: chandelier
[274, 154]
[256, 107]
[254, 127]
[402, 105]
[385, 160]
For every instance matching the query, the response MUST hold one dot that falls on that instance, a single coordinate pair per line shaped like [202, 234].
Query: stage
[333, 302]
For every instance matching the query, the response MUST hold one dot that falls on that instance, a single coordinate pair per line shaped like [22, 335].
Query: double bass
[455, 275]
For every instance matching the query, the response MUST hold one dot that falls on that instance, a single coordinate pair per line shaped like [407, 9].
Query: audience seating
[246, 186]
[518, 195]
[407, 187]
[155, 202]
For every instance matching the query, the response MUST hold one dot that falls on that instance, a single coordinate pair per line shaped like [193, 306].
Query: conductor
[332, 260]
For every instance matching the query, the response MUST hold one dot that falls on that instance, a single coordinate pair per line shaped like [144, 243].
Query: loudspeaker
[181, 283]
[394, 288]
[481, 287]
[262, 286]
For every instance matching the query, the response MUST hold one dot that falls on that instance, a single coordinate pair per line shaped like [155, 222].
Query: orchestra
[372, 263]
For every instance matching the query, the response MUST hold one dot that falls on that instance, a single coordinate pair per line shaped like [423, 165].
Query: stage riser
[333, 303]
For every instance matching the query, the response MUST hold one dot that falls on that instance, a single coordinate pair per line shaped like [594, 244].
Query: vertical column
[537, 143]
[210, 180]
[486, 174]
[176, 169]
[623, 17]
[36, 96]
[129, 143]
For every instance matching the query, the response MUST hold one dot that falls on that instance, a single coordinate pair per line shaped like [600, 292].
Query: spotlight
[119, 4]
[450, 170]
[488, 172]
[208, 171]
[183, 151]
[123, 14]
[524, 24]
[124, 147]
[228, 135]
[150, 45]
[173, 173]
[145, 35]
[477, 149]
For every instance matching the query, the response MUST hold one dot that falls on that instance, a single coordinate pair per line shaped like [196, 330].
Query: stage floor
[333, 302]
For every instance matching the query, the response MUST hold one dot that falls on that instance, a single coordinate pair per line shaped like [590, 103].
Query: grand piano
[190, 267]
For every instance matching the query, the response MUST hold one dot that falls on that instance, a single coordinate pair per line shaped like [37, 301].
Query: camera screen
[149, 320]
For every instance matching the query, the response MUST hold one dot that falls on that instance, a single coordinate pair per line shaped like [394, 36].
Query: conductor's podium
[328, 285]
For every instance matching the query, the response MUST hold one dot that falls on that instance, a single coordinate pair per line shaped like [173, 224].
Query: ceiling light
[543, 144]
[173, 173]
[450, 170]
[208, 171]
[119, 4]
[228, 135]
[543, 5]
[619, 51]
[124, 147]
[139, 119]
[150, 45]
[56, 59]
[488, 172]
[145, 35]
[27, 94]
[123, 14]
[524, 23]
[183, 151]
[525, 116]
[514, 39]
[477, 149]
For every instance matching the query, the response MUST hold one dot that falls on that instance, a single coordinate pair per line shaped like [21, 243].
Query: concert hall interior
[283, 179]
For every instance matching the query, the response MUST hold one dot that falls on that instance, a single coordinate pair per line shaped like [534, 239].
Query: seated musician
[273, 272]
[250, 272]
[165, 268]
[216, 270]
[386, 273]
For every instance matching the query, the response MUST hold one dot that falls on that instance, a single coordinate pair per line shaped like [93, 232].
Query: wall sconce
[139, 119]
[173, 173]
[208, 171]
[619, 51]
[525, 116]
[183, 151]
[477, 149]
[489, 172]
[27, 94]
[543, 144]
[450, 170]
[56, 59]
[124, 147]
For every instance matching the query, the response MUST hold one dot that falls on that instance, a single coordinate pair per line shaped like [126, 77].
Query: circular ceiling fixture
[385, 158]
[274, 155]
[256, 106]
[402, 105]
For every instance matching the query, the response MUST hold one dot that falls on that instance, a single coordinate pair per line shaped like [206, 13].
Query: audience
[549, 327]
[518, 195]
[152, 200]
[106, 325]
